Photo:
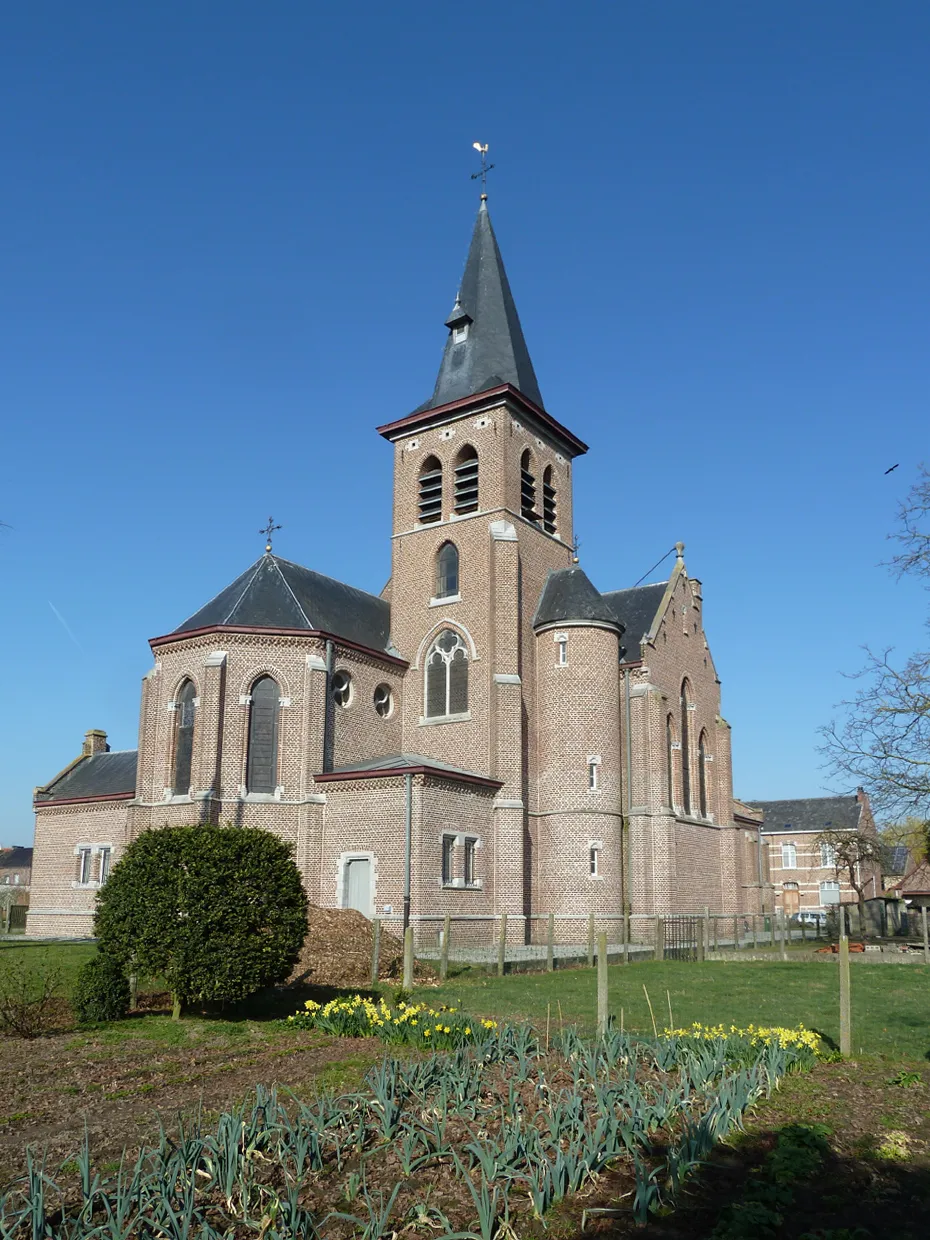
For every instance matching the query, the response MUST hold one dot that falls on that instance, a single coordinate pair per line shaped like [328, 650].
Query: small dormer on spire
[459, 321]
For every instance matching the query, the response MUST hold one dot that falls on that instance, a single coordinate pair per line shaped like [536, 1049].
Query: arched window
[669, 767]
[466, 480]
[430, 508]
[447, 676]
[702, 774]
[262, 767]
[548, 501]
[685, 751]
[528, 488]
[185, 708]
[447, 571]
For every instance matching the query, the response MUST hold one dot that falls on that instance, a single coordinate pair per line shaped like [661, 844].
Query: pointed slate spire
[485, 346]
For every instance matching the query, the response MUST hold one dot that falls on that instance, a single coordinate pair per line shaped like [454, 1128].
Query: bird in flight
[893, 468]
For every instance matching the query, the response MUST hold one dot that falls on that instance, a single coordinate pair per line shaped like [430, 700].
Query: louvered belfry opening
[262, 767]
[185, 708]
[528, 489]
[447, 676]
[466, 480]
[430, 506]
[548, 501]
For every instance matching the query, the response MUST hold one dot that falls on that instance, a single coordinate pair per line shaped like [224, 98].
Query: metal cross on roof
[268, 531]
[485, 169]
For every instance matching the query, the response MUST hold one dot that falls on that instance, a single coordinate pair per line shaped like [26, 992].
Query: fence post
[626, 929]
[784, 934]
[444, 955]
[602, 984]
[736, 933]
[705, 929]
[590, 940]
[699, 942]
[755, 933]
[659, 940]
[845, 1030]
[375, 949]
[923, 922]
[714, 921]
[803, 930]
[408, 958]
[502, 946]
[550, 943]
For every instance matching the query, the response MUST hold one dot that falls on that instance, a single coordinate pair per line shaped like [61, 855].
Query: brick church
[493, 734]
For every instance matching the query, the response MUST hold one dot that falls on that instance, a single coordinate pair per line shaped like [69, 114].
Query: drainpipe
[328, 719]
[408, 834]
[626, 893]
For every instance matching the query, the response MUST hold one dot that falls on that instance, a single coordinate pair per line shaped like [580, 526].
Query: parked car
[810, 917]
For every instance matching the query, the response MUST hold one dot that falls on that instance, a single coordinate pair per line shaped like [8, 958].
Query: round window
[342, 688]
[384, 701]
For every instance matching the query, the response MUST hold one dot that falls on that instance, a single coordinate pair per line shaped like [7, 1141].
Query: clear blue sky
[230, 233]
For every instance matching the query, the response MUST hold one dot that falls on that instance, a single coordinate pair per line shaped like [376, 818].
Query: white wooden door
[358, 885]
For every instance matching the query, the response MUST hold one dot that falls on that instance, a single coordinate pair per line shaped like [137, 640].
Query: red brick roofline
[331, 777]
[155, 642]
[107, 796]
[424, 416]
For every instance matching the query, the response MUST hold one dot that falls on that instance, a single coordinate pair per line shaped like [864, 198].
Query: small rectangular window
[448, 859]
[827, 855]
[104, 865]
[470, 862]
[562, 646]
[84, 855]
[592, 777]
[593, 861]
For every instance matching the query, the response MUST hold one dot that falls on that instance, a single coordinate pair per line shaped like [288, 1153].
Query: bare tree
[913, 834]
[883, 743]
[857, 857]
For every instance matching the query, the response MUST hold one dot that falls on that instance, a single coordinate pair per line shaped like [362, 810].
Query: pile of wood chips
[337, 951]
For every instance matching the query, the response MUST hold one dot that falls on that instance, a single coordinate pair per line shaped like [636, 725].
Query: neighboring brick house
[531, 744]
[803, 871]
[16, 867]
[914, 888]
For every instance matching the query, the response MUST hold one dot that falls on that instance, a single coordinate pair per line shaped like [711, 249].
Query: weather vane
[485, 169]
[268, 531]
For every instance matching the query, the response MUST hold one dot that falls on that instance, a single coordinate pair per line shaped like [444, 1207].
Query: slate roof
[494, 351]
[276, 594]
[569, 595]
[810, 814]
[635, 609]
[16, 858]
[406, 762]
[98, 775]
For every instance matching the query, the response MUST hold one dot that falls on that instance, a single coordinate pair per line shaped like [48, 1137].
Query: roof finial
[268, 531]
[485, 169]
[680, 550]
[576, 547]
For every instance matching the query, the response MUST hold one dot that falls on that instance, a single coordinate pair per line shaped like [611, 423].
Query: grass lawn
[890, 1003]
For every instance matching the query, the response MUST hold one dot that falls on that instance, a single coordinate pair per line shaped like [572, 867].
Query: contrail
[64, 625]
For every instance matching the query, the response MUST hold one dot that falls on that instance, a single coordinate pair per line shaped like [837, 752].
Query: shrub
[29, 988]
[101, 991]
[218, 912]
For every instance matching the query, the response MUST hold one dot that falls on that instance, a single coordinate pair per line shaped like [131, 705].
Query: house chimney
[95, 741]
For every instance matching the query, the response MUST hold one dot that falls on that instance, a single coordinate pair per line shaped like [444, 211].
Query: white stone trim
[507, 804]
[447, 598]
[503, 531]
[433, 721]
[315, 663]
[216, 659]
[506, 678]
